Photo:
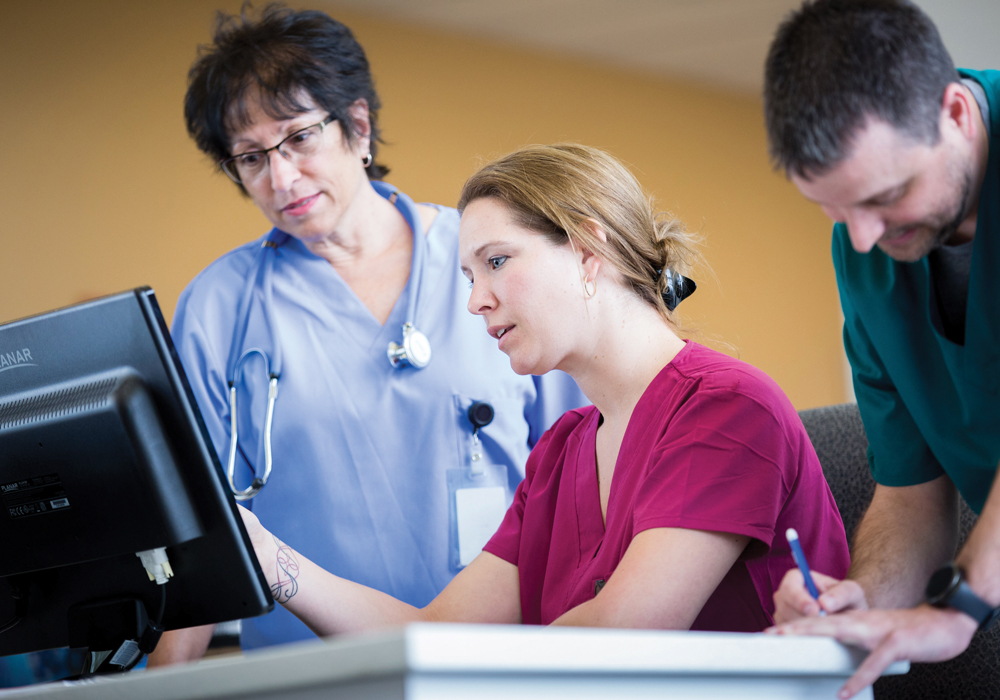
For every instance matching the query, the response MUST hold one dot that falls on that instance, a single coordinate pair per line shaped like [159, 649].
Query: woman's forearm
[327, 604]
[662, 582]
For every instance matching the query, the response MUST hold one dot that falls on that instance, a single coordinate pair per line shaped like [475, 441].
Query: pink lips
[300, 206]
[902, 238]
[503, 339]
[500, 333]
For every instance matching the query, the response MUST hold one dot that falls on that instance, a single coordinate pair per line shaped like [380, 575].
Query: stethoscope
[414, 351]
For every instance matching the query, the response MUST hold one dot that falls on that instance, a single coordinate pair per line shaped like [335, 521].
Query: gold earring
[590, 288]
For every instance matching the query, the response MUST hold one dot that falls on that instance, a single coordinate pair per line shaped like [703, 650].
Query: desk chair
[839, 438]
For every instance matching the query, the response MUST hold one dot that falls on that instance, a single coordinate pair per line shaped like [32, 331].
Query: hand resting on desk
[919, 634]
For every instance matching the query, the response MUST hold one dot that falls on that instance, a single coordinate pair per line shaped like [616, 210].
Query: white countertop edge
[508, 648]
[438, 649]
[299, 664]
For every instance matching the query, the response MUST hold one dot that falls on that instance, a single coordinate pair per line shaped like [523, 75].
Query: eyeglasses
[304, 143]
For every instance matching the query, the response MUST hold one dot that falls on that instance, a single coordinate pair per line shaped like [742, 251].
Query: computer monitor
[104, 455]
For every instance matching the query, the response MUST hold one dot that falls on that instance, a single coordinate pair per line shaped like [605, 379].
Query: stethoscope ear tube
[415, 350]
[258, 483]
[263, 262]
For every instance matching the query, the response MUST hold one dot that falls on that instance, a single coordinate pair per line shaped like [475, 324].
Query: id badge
[477, 501]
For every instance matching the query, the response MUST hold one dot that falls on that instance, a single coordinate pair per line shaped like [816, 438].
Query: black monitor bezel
[217, 576]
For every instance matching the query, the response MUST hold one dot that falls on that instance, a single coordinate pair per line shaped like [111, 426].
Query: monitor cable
[151, 636]
[125, 656]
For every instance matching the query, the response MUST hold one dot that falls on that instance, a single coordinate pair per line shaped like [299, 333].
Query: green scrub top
[929, 406]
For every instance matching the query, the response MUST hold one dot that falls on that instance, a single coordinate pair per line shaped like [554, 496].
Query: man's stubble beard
[941, 232]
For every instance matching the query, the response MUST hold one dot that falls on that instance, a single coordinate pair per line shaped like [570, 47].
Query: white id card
[478, 503]
[480, 512]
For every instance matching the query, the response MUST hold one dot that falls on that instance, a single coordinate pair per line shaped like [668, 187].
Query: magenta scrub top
[713, 444]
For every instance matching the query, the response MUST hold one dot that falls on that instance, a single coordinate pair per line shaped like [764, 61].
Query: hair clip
[678, 288]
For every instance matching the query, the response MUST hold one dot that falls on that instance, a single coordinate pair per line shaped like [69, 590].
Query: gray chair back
[839, 438]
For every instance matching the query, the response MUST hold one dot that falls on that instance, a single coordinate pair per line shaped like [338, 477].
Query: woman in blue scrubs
[368, 454]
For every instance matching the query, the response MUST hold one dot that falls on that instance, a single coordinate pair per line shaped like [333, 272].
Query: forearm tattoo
[288, 572]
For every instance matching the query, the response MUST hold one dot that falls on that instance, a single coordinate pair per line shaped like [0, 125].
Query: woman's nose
[481, 300]
[282, 171]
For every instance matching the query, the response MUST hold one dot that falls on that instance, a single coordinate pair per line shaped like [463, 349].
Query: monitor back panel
[217, 577]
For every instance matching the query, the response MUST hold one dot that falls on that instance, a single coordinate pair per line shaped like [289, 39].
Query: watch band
[947, 588]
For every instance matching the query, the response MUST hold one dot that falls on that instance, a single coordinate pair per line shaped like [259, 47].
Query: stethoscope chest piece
[415, 350]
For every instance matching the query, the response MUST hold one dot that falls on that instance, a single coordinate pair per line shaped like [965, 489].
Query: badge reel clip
[477, 494]
[480, 415]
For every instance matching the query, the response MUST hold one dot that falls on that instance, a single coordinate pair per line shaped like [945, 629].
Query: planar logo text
[15, 359]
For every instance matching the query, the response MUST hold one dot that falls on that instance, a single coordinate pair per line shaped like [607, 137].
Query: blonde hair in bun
[558, 190]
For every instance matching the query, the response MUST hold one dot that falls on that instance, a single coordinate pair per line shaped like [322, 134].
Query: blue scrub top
[361, 449]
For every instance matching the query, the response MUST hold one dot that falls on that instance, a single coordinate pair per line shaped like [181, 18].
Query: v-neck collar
[593, 525]
[349, 313]
[977, 352]
[346, 310]
[588, 491]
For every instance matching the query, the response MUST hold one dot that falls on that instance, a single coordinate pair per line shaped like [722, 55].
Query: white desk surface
[496, 661]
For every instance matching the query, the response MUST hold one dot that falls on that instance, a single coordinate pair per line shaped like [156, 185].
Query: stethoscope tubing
[272, 394]
[408, 209]
[263, 265]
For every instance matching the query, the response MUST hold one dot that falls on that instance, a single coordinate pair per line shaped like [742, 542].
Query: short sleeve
[723, 464]
[898, 455]
[506, 543]
[204, 371]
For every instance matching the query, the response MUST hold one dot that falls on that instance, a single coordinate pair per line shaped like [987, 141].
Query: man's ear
[361, 121]
[957, 109]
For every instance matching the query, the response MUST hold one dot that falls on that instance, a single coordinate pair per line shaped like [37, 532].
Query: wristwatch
[948, 589]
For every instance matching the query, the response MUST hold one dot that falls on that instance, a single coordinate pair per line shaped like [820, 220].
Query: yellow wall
[101, 190]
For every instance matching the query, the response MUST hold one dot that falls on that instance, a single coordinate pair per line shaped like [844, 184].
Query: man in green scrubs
[869, 119]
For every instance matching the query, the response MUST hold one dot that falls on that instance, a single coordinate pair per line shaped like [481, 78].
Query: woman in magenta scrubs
[662, 505]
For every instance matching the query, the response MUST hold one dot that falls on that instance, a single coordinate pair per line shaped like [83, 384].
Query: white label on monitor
[35, 495]
[126, 653]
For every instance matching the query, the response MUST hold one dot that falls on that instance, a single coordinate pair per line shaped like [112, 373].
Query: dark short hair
[835, 63]
[276, 58]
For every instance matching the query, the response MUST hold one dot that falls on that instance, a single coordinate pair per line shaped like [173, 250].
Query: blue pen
[800, 558]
